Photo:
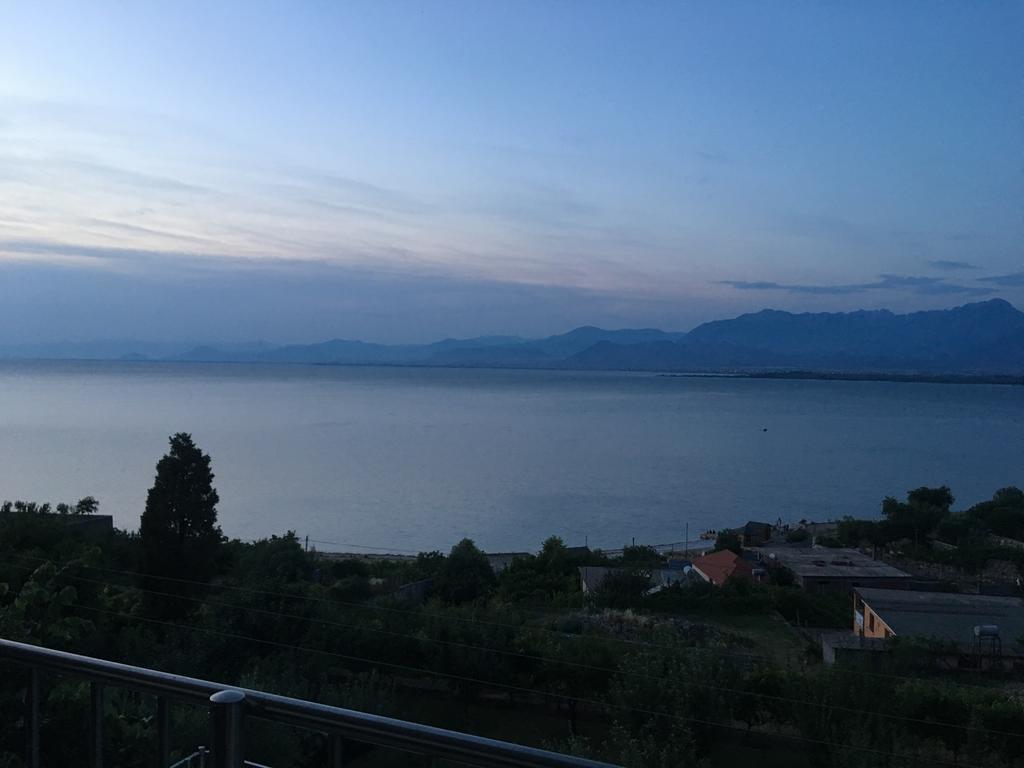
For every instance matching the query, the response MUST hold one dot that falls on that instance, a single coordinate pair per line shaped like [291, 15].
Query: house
[591, 577]
[975, 630]
[823, 569]
[501, 560]
[755, 534]
[719, 566]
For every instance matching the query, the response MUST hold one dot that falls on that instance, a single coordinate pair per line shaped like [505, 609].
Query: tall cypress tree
[179, 531]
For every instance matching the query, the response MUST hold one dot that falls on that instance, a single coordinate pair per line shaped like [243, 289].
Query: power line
[533, 657]
[358, 606]
[521, 689]
[382, 550]
[503, 625]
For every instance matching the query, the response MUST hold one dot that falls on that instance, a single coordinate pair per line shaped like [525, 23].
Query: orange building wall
[873, 624]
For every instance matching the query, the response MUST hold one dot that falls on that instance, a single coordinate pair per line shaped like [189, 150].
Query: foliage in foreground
[517, 656]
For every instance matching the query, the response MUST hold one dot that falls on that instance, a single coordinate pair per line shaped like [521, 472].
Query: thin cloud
[709, 156]
[127, 177]
[147, 231]
[1012, 280]
[105, 253]
[918, 284]
[16, 168]
[763, 285]
[355, 192]
[951, 265]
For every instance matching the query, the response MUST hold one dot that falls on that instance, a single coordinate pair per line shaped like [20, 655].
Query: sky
[407, 171]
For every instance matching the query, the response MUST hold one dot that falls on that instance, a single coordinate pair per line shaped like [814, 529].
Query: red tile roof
[719, 566]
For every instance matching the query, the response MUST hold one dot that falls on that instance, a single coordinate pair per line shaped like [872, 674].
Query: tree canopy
[466, 574]
[729, 540]
[179, 526]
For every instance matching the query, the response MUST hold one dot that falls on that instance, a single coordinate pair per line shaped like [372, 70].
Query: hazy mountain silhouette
[985, 337]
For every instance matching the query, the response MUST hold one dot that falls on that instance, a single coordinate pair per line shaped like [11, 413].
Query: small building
[823, 569]
[501, 560]
[591, 577]
[719, 566]
[414, 592]
[755, 534]
[978, 630]
[840, 647]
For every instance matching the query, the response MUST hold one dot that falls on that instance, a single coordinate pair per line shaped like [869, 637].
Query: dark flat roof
[826, 563]
[947, 616]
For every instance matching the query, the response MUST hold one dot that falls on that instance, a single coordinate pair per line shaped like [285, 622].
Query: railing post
[32, 719]
[96, 725]
[163, 733]
[228, 718]
[335, 751]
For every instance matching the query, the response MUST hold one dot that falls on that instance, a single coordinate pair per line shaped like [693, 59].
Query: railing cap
[229, 696]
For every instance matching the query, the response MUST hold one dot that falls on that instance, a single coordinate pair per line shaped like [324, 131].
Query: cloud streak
[1012, 280]
[916, 284]
[951, 265]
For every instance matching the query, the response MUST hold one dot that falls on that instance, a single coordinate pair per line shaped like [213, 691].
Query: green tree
[641, 554]
[798, 535]
[623, 588]
[935, 498]
[179, 531]
[852, 532]
[919, 515]
[1003, 514]
[87, 506]
[466, 574]
[554, 556]
[729, 540]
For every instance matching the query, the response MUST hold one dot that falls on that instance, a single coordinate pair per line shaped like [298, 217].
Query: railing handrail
[349, 724]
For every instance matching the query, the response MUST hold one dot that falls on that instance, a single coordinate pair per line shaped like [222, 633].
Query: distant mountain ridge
[980, 338]
[985, 337]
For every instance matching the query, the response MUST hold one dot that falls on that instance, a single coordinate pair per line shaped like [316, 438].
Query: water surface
[409, 458]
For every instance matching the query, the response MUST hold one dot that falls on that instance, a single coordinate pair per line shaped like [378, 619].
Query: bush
[466, 574]
[729, 540]
[797, 535]
[781, 576]
[351, 589]
[623, 588]
[341, 569]
[641, 555]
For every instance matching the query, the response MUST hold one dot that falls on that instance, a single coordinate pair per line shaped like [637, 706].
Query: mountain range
[980, 338]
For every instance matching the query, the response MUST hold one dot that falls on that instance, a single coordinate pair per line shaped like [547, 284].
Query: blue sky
[402, 171]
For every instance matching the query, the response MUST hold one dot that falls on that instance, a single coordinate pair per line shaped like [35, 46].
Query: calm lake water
[410, 459]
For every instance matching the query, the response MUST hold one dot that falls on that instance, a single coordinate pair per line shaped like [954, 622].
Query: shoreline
[900, 378]
[795, 375]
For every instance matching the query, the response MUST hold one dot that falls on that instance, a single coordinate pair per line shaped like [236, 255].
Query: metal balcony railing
[230, 707]
[202, 758]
